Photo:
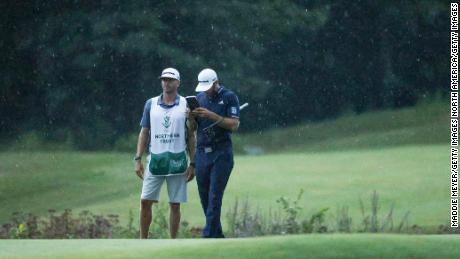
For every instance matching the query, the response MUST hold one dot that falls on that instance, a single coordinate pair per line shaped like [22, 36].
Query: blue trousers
[212, 173]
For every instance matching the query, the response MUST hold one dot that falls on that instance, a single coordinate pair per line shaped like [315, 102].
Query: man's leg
[202, 180]
[177, 192]
[220, 174]
[202, 171]
[174, 219]
[150, 194]
[145, 217]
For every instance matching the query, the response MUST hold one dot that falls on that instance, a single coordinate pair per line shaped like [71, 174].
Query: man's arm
[223, 122]
[227, 123]
[191, 146]
[142, 141]
[141, 145]
[191, 141]
[231, 119]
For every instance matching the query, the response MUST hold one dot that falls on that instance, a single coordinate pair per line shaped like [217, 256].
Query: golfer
[164, 122]
[217, 118]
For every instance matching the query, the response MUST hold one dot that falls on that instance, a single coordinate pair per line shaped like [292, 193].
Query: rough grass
[414, 177]
[403, 155]
[426, 123]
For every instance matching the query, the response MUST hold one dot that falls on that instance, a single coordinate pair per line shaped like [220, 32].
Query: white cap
[206, 78]
[170, 73]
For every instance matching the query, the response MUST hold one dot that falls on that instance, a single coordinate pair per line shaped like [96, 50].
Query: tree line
[83, 69]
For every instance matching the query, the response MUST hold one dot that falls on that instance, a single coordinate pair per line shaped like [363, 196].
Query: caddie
[165, 123]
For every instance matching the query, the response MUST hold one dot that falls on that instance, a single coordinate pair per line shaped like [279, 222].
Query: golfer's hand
[190, 173]
[204, 113]
[139, 169]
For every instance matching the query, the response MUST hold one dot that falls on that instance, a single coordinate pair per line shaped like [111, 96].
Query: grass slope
[426, 123]
[414, 177]
[403, 154]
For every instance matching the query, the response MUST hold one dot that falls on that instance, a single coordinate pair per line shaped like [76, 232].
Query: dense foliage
[80, 71]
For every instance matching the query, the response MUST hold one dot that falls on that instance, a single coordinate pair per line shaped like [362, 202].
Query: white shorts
[176, 184]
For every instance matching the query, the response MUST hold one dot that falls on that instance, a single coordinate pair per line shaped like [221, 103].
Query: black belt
[214, 146]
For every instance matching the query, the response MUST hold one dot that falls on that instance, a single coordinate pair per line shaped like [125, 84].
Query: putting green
[296, 246]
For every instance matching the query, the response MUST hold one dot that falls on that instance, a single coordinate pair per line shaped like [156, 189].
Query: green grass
[403, 155]
[426, 123]
[414, 177]
[296, 246]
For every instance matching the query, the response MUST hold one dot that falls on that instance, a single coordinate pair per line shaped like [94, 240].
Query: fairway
[294, 246]
[416, 178]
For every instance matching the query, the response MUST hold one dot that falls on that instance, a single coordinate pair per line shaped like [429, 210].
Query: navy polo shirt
[225, 103]
[145, 121]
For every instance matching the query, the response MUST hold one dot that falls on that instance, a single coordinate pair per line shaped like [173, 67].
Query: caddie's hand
[189, 114]
[204, 113]
[139, 169]
[190, 173]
